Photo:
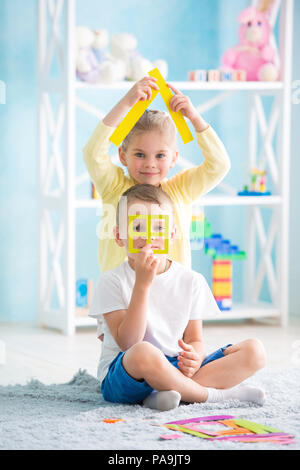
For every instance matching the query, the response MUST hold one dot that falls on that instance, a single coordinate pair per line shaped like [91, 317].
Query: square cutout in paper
[148, 234]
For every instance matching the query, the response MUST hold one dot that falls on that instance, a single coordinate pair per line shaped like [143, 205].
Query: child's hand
[180, 102]
[145, 265]
[189, 360]
[140, 91]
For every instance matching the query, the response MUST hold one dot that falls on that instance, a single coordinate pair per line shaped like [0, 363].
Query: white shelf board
[190, 85]
[218, 200]
[245, 311]
[225, 200]
[239, 312]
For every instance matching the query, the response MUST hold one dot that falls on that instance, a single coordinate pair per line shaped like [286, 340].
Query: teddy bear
[93, 63]
[124, 47]
[254, 54]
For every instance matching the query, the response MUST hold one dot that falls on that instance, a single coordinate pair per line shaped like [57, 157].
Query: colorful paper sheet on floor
[227, 427]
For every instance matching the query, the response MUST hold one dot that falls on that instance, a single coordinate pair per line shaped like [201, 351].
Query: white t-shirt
[176, 297]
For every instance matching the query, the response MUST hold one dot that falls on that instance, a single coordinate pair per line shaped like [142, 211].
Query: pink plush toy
[254, 53]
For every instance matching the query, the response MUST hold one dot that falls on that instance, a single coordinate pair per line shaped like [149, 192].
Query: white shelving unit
[57, 98]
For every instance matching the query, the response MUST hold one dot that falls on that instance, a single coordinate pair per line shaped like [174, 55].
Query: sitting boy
[152, 306]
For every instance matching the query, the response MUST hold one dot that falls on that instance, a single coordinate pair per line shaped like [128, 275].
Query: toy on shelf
[227, 427]
[100, 60]
[255, 53]
[222, 252]
[93, 63]
[197, 75]
[84, 293]
[258, 184]
[213, 75]
[124, 47]
[216, 75]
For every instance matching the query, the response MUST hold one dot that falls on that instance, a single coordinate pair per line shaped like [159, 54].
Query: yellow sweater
[183, 188]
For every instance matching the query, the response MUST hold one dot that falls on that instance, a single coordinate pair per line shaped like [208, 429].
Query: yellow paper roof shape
[140, 107]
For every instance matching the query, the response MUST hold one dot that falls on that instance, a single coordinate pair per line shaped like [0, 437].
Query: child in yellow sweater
[148, 152]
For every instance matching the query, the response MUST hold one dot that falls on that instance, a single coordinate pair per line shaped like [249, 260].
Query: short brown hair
[147, 193]
[151, 120]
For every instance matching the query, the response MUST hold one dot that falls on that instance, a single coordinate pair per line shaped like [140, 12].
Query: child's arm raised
[197, 181]
[128, 326]
[141, 91]
[106, 176]
[181, 102]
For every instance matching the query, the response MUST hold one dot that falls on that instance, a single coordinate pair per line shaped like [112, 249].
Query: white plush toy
[87, 65]
[124, 47]
[93, 63]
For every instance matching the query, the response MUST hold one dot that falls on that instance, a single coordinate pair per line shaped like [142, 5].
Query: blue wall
[190, 34]
[18, 205]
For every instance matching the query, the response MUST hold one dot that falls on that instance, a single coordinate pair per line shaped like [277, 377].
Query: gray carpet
[70, 416]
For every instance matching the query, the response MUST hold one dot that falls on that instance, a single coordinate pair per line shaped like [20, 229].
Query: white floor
[50, 357]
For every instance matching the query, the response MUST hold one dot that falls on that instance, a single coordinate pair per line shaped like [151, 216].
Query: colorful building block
[222, 269]
[226, 76]
[221, 288]
[222, 252]
[197, 75]
[214, 75]
[239, 75]
[84, 293]
[258, 180]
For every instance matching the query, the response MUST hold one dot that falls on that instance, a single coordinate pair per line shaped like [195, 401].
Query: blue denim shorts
[119, 387]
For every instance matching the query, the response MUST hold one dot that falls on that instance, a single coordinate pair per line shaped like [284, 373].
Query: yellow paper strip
[255, 427]
[130, 119]
[177, 117]
[176, 427]
[140, 107]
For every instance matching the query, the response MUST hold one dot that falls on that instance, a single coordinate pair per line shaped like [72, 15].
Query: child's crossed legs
[143, 361]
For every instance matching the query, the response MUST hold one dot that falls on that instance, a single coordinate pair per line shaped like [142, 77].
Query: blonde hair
[151, 120]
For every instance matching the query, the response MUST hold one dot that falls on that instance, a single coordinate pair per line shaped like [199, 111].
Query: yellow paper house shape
[140, 107]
